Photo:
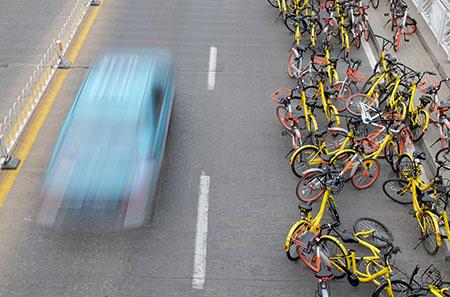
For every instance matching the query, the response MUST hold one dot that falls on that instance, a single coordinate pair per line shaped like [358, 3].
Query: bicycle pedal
[412, 212]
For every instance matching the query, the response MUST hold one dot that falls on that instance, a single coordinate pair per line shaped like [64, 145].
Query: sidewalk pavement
[421, 53]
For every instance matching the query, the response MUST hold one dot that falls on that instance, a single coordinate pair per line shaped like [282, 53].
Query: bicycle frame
[313, 223]
[416, 183]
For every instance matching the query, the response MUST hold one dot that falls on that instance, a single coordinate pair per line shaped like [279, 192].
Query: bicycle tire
[334, 139]
[397, 39]
[273, 3]
[281, 112]
[432, 112]
[392, 153]
[398, 190]
[340, 101]
[443, 155]
[341, 159]
[334, 256]
[365, 25]
[405, 166]
[334, 120]
[422, 120]
[375, 3]
[430, 242]
[367, 173]
[352, 104]
[410, 26]
[300, 159]
[292, 246]
[399, 287]
[380, 231]
[293, 62]
[309, 188]
[289, 22]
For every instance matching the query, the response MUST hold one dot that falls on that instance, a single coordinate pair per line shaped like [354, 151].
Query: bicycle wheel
[291, 252]
[405, 166]
[380, 234]
[392, 153]
[430, 242]
[304, 158]
[365, 29]
[420, 123]
[432, 112]
[292, 20]
[398, 190]
[310, 187]
[344, 93]
[375, 3]
[397, 39]
[273, 3]
[341, 159]
[399, 289]
[366, 174]
[293, 68]
[443, 155]
[334, 120]
[353, 103]
[333, 256]
[334, 140]
[282, 116]
[410, 26]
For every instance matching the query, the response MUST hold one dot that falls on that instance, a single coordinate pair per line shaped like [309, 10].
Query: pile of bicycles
[342, 125]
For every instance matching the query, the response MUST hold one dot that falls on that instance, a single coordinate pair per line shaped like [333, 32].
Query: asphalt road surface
[26, 30]
[230, 133]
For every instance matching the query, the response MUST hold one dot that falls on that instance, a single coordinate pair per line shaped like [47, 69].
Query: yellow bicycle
[429, 210]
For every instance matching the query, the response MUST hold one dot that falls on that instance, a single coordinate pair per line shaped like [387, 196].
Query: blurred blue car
[105, 165]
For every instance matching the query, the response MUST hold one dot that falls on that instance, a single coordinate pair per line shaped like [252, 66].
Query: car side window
[158, 100]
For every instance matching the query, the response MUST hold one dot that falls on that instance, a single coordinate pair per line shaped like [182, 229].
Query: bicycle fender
[436, 226]
[312, 170]
[338, 129]
[287, 244]
[341, 152]
[300, 148]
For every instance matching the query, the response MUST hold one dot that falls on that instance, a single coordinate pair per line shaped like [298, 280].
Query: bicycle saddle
[348, 237]
[304, 207]
[419, 155]
[389, 58]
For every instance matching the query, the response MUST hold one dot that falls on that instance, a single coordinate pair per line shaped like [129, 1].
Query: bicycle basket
[355, 75]
[278, 94]
[431, 276]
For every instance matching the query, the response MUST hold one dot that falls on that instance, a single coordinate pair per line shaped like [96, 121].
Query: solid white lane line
[369, 53]
[212, 68]
[198, 278]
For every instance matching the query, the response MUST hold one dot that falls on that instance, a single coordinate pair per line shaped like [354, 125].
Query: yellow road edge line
[40, 115]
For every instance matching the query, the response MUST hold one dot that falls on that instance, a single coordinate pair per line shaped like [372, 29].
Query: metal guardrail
[437, 15]
[13, 124]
